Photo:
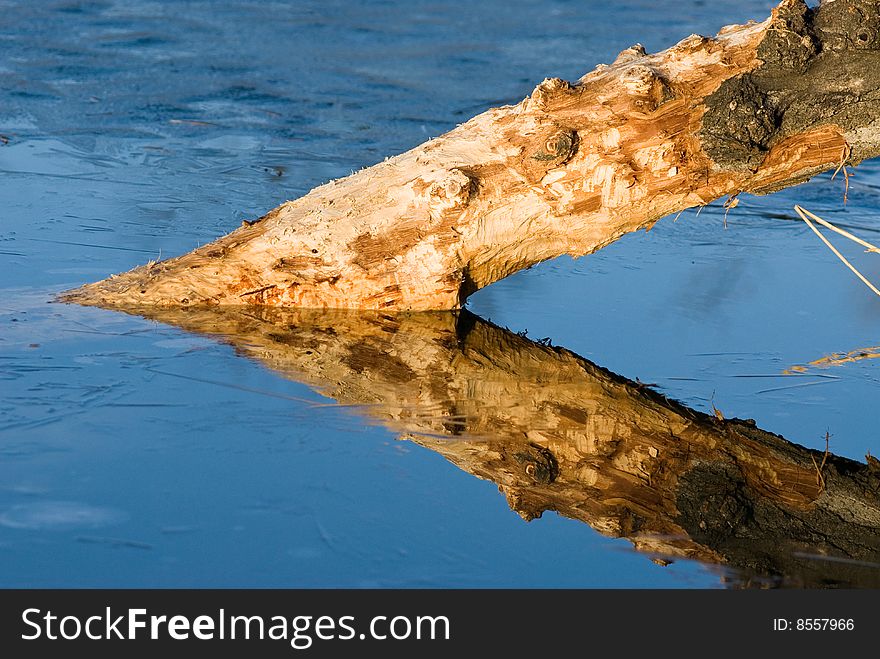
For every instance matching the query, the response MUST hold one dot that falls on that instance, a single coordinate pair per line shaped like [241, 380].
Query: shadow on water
[557, 432]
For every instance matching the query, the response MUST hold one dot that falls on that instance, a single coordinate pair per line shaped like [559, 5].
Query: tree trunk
[568, 170]
[556, 432]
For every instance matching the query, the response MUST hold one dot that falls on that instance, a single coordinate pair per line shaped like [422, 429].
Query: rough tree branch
[568, 170]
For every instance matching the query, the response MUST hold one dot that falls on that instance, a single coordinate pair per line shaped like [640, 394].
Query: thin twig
[715, 410]
[732, 202]
[800, 211]
[827, 451]
[844, 156]
[820, 479]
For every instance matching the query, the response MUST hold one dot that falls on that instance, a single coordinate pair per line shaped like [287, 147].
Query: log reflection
[556, 432]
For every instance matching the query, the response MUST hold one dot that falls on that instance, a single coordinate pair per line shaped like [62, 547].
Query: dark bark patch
[739, 124]
[819, 67]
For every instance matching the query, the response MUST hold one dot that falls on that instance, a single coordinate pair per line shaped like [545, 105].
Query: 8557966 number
[814, 624]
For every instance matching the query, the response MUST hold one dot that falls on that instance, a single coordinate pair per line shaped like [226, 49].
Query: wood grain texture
[568, 170]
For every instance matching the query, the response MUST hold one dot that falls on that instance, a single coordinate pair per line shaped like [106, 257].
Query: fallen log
[568, 170]
[556, 432]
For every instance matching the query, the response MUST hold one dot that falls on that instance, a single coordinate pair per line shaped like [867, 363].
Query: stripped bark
[556, 432]
[568, 170]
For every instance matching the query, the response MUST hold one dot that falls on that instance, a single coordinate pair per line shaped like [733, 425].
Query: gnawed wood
[567, 171]
[556, 432]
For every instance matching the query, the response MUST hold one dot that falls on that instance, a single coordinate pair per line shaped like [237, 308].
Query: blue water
[138, 130]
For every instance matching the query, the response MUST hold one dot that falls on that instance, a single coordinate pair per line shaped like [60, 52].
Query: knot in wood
[548, 89]
[537, 463]
[558, 147]
[646, 87]
[522, 504]
[634, 52]
[639, 79]
[548, 148]
[693, 43]
[450, 193]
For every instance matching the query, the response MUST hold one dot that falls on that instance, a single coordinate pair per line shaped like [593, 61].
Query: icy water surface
[139, 452]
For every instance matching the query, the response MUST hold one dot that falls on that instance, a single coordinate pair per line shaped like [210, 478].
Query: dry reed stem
[846, 234]
[871, 248]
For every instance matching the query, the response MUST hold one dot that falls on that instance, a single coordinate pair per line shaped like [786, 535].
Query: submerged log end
[172, 284]
[113, 291]
[282, 259]
[211, 274]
